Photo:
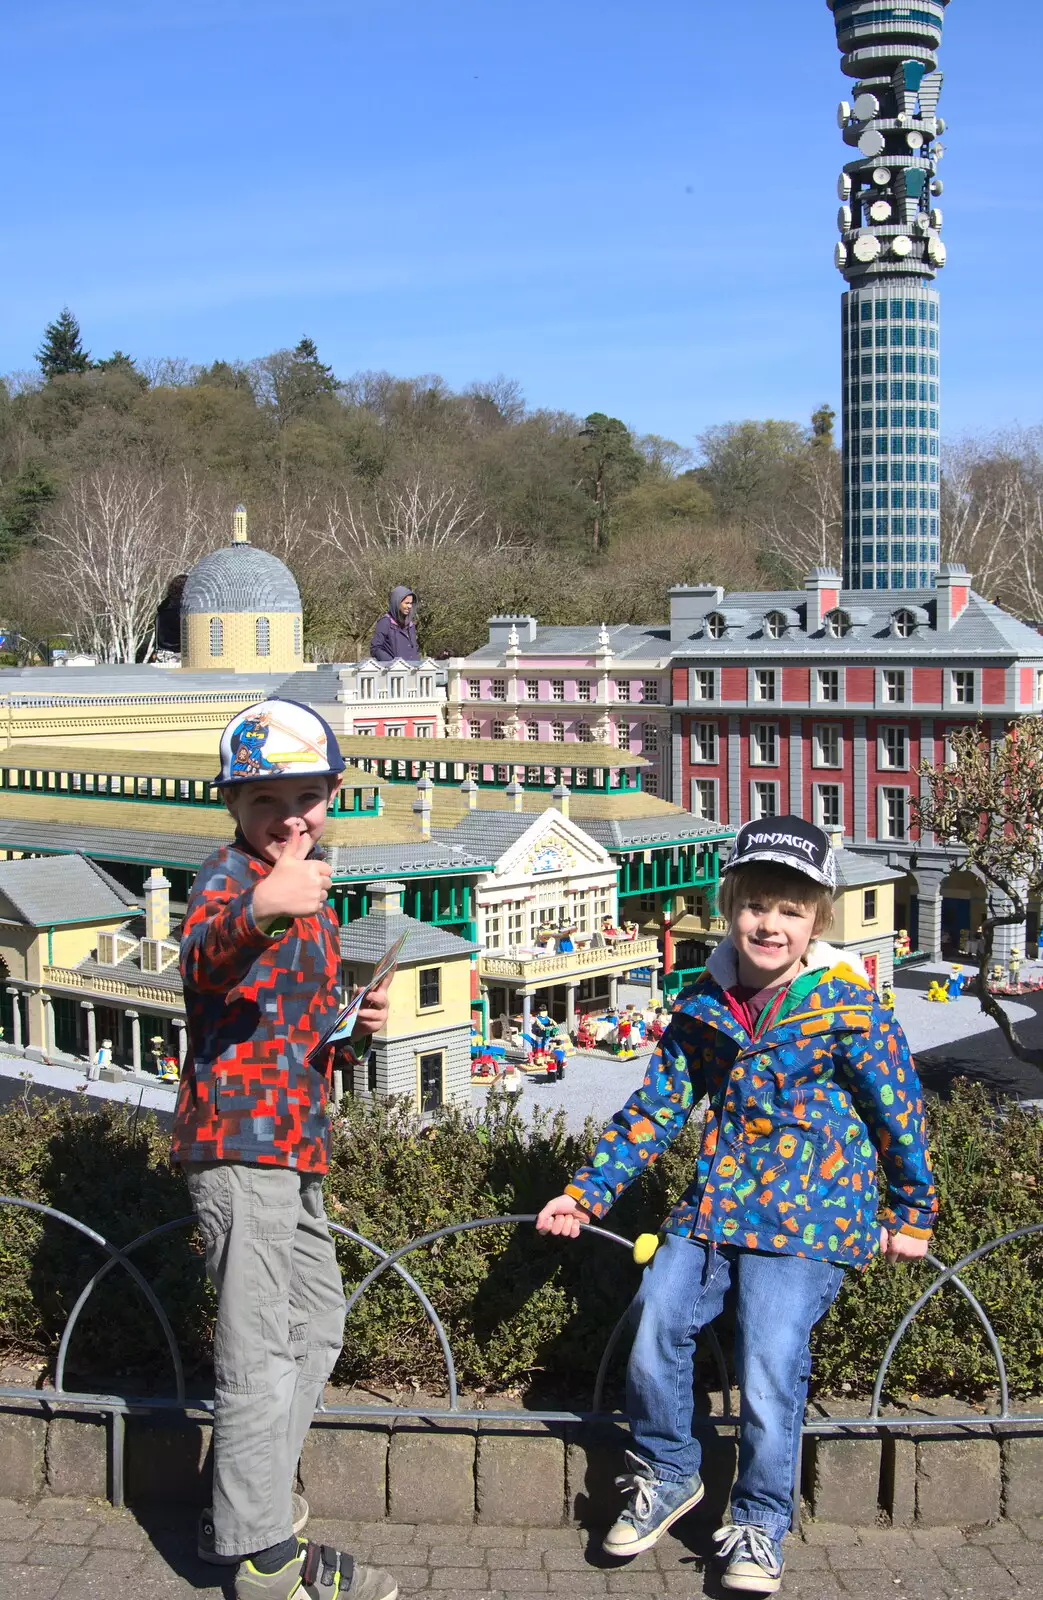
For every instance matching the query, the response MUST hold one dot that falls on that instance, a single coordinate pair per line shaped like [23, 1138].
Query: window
[623, 689]
[894, 807]
[894, 688]
[827, 746]
[532, 732]
[650, 689]
[650, 737]
[1039, 684]
[894, 748]
[838, 624]
[828, 812]
[426, 688]
[775, 625]
[557, 688]
[706, 688]
[764, 745]
[365, 688]
[583, 689]
[557, 732]
[963, 688]
[429, 1072]
[263, 636]
[499, 730]
[765, 800]
[394, 730]
[869, 907]
[217, 637]
[715, 625]
[493, 930]
[396, 689]
[704, 799]
[430, 986]
[423, 730]
[704, 743]
[297, 647]
[583, 733]
[475, 730]
[904, 624]
[498, 688]
[474, 689]
[623, 736]
[764, 683]
[829, 685]
[650, 783]
[532, 689]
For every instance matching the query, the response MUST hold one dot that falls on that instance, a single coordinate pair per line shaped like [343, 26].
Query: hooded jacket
[800, 1119]
[394, 638]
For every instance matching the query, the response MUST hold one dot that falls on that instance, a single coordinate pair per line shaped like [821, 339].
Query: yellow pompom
[645, 1247]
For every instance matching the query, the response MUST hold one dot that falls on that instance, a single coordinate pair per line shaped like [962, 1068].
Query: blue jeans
[780, 1299]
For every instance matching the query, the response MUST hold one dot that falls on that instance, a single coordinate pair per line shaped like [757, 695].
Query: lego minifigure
[938, 992]
[957, 983]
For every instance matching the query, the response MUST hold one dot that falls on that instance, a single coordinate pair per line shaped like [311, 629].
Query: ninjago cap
[278, 739]
[789, 842]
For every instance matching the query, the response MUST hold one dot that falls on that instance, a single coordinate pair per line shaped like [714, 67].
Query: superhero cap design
[278, 739]
[790, 842]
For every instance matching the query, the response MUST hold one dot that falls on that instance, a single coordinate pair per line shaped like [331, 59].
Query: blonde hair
[773, 883]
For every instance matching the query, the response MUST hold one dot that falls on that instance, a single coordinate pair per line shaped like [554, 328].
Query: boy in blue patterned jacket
[811, 1088]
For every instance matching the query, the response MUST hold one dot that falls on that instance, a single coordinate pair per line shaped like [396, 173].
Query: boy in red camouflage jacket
[260, 962]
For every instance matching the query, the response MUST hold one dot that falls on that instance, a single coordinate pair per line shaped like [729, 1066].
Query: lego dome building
[241, 610]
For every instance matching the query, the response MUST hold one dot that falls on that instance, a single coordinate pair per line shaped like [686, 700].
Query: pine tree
[61, 351]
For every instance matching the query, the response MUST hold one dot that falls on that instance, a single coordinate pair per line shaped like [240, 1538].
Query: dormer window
[904, 624]
[775, 625]
[838, 624]
[715, 625]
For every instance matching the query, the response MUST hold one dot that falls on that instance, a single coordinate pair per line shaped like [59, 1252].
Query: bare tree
[802, 523]
[416, 515]
[109, 548]
[992, 515]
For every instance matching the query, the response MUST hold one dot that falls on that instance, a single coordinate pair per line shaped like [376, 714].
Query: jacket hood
[395, 599]
[723, 965]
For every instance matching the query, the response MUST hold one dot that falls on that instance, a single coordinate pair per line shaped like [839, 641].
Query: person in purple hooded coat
[394, 637]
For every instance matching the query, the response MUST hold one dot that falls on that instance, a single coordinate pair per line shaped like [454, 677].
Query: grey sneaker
[316, 1573]
[754, 1558]
[205, 1533]
[653, 1505]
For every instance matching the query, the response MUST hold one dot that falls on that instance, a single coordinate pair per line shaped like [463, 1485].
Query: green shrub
[519, 1311]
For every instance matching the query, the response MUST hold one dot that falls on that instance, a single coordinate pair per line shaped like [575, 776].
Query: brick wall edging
[528, 1475]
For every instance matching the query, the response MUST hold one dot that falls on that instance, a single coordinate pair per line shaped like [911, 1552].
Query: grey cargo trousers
[280, 1324]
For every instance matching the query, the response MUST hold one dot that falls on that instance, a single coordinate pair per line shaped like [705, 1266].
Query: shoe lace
[746, 1541]
[639, 1483]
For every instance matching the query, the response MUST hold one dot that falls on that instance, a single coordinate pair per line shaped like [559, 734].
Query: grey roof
[445, 852]
[627, 640]
[854, 871]
[496, 831]
[371, 937]
[239, 578]
[981, 629]
[318, 688]
[60, 889]
[112, 844]
[488, 833]
[129, 972]
[51, 685]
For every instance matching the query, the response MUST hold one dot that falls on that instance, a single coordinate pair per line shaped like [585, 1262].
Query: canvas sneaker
[653, 1505]
[317, 1572]
[754, 1558]
[205, 1533]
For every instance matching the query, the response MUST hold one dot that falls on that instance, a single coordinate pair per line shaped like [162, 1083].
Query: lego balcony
[559, 968]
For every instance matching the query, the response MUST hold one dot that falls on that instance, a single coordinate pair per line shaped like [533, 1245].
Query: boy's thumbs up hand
[295, 887]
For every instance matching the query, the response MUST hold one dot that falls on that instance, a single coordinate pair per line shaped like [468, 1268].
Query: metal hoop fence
[116, 1408]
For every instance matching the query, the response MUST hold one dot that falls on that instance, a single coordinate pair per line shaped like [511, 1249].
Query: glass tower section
[889, 252]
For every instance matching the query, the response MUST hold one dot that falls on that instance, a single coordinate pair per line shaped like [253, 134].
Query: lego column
[92, 1029]
[929, 888]
[16, 1019]
[1011, 936]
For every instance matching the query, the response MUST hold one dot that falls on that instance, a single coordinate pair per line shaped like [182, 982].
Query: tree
[124, 366]
[744, 464]
[23, 500]
[985, 807]
[62, 351]
[295, 381]
[611, 466]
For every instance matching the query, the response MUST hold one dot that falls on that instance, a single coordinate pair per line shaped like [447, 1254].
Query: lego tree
[985, 807]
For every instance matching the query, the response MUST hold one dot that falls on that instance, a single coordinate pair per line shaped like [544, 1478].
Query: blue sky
[626, 208]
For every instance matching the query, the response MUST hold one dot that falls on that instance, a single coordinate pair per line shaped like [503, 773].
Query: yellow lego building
[241, 610]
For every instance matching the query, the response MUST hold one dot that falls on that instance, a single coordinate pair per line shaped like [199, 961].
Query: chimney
[157, 905]
[561, 796]
[422, 805]
[469, 790]
[823, 591]
[501, 629]
[385, 898]
[689, 604]
[239, 533]
[516, 795]
[952, 585]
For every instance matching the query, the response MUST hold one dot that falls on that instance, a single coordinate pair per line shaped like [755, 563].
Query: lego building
[241, 610]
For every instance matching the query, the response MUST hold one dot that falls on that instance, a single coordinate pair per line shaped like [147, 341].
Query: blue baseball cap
[278, 739]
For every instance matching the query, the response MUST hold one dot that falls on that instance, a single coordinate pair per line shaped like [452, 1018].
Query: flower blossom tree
[985, 807]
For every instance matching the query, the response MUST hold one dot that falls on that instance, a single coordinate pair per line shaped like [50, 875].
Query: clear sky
[628, 208]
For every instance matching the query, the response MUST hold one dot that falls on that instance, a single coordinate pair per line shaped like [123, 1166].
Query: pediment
[552, 846]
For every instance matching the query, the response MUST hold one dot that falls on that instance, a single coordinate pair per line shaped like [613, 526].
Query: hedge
[521, 1312]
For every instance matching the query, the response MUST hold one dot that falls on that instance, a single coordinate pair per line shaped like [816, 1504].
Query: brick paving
[86, 1550]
